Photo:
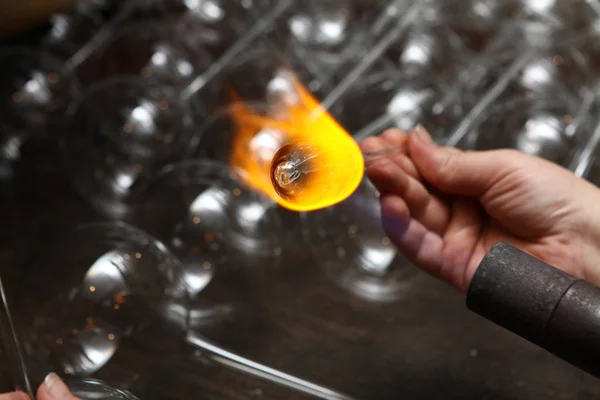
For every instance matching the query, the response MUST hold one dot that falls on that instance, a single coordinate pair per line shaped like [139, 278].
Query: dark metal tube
[540, 303]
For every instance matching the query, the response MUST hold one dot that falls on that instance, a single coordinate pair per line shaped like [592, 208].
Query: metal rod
[234, 361]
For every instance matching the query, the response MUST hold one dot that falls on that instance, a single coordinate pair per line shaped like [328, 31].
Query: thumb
[459, 172]
[54, 388]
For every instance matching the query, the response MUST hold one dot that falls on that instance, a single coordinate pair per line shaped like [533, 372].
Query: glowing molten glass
[296, 154]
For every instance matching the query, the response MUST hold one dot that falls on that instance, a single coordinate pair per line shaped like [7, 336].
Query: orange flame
[337, 164]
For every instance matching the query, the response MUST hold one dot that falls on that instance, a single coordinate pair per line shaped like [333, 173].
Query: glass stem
[234, 361]
[12, 349]
[261, 26]
[100, 37]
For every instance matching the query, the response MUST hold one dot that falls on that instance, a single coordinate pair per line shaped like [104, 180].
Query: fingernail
[55, 388]
[51, 379]
[423, 136]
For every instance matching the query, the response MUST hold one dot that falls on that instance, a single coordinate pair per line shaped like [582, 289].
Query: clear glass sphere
[327, 37]
[348, 242]
[259, 76]
[544, 128]
[544, 73]
[92, 389]
[69, 32]
[153, 50]
[396, 102]
[119, 134]
[34, 91]
[88, 290]
[573, 15]
[432, 49]
[210, 218]
[320, 24]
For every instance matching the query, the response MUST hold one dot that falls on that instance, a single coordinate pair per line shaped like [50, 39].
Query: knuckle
[450, 160]
[447, 168]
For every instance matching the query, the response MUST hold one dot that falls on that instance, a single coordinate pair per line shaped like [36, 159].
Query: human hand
[53, 388]
[445, 208]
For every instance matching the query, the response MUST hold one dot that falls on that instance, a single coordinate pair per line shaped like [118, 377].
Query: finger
[374, 144]
[462, 235]
[408, 166]
[426, 208]
[14, 396]
[421, 246]
[457, 172]
[54, 388]
[398, 138]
